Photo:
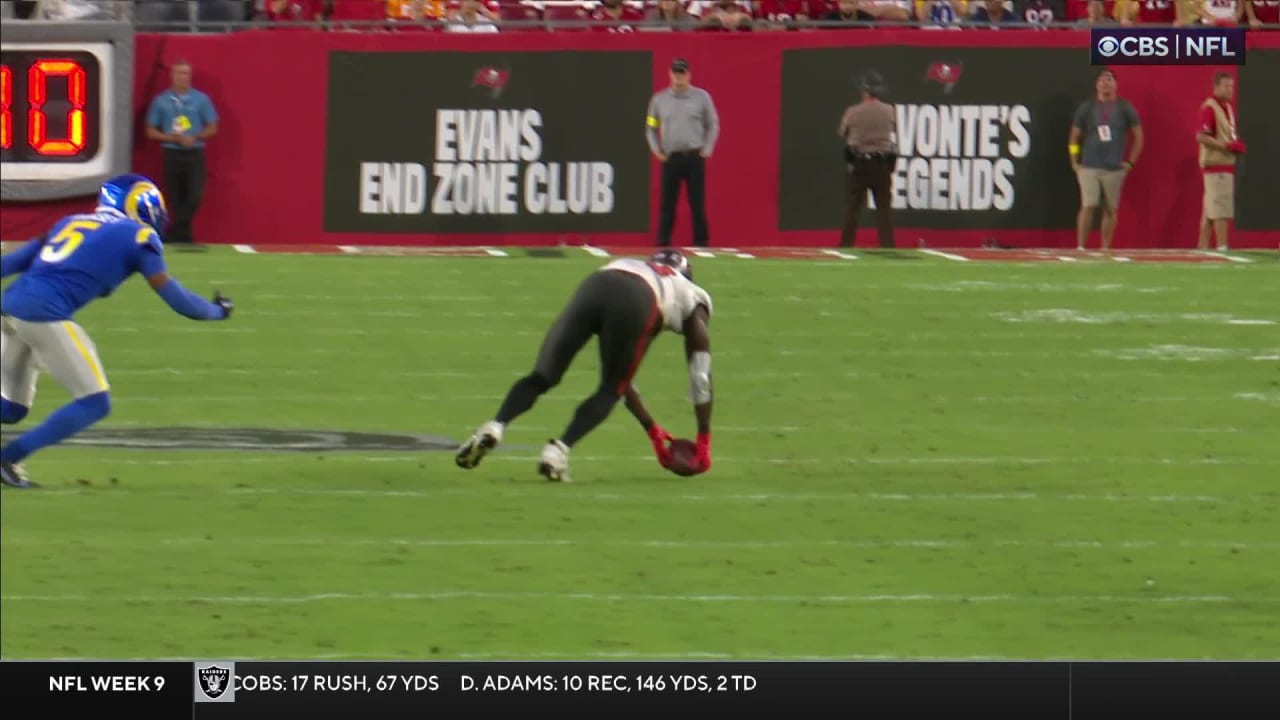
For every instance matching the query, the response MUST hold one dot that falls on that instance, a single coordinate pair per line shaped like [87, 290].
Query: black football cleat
[480, 444]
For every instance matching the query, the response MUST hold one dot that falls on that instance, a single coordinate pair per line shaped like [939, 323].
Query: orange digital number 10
[38, 120]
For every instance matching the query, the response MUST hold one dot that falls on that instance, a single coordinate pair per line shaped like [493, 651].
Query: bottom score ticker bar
[901, 690]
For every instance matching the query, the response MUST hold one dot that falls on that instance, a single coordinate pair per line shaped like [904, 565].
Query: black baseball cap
[873, 82]
[680, 65]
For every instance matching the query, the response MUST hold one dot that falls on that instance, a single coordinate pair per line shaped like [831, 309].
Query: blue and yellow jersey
[83, 257]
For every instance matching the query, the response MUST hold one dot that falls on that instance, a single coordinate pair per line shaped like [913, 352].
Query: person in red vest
[1220, 148]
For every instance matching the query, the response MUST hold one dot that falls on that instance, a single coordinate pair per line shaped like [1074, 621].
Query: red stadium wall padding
[267, 167]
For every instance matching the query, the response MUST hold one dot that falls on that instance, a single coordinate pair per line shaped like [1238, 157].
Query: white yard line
[945, 543]
[644, 498]
[293, 457]
[1097, 356]
[246, 249]
[272, 372]
[188, 400]
[832, 599]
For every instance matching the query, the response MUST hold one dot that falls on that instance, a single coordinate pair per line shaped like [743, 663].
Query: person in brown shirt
[869, 130]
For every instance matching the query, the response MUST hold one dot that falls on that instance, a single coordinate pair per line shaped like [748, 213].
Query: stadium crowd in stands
[661, 15]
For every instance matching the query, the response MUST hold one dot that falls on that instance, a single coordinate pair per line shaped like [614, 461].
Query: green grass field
[913, 458]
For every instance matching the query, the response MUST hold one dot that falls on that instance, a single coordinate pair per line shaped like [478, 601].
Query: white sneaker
[554, 464]
[473, 450]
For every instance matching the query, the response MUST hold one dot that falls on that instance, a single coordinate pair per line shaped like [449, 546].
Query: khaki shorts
[1097, 185]
[1219, 196]
[62, 348]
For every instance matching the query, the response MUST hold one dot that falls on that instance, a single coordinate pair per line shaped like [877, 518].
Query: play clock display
[66, 96]
[51, 106]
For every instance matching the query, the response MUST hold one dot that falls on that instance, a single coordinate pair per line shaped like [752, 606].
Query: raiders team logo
[214, 680]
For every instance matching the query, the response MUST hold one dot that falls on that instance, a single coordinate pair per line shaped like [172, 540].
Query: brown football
[684, 455]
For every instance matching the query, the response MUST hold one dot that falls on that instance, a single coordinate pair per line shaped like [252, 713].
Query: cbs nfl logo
[1167, 46]
[215, 682]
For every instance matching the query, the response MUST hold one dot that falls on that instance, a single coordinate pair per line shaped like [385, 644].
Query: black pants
[184, 176]
[863, 174]
[691, 168]
[619, 309]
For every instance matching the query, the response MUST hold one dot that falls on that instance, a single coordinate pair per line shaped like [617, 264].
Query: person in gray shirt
[1105, 142]
[682, 127]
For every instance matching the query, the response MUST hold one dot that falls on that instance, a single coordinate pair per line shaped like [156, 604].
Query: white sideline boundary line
[246, 249]
[838, 254]
[596, 252]
[639, 597]
[1222, 255]
[947, 255]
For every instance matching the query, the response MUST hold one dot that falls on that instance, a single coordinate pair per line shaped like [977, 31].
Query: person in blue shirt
[182, 119]
[82, 258]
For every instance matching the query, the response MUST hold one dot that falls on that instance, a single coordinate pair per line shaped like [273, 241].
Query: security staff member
[1220, 151]
[681, 128]
[182, 119]
[869, 130]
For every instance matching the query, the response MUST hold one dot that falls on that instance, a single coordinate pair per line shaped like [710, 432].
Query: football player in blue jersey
[81, 258]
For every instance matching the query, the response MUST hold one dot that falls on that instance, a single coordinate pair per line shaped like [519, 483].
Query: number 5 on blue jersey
[60, 246]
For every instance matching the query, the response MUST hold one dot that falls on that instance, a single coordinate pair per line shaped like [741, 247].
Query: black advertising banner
[209, 690]
[982, 134]
[484, 142]
[1259, 171]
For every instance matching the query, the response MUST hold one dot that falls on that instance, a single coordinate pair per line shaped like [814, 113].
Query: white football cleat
[554, 464]
[14, 476]
[474, 450]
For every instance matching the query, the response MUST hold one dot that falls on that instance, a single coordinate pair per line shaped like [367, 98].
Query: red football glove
[704, 452]
[660, 439]
[1236, 146]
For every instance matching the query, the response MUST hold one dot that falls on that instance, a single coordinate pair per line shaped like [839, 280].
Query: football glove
[224, 303]
[1236, 146]
[660, 439]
